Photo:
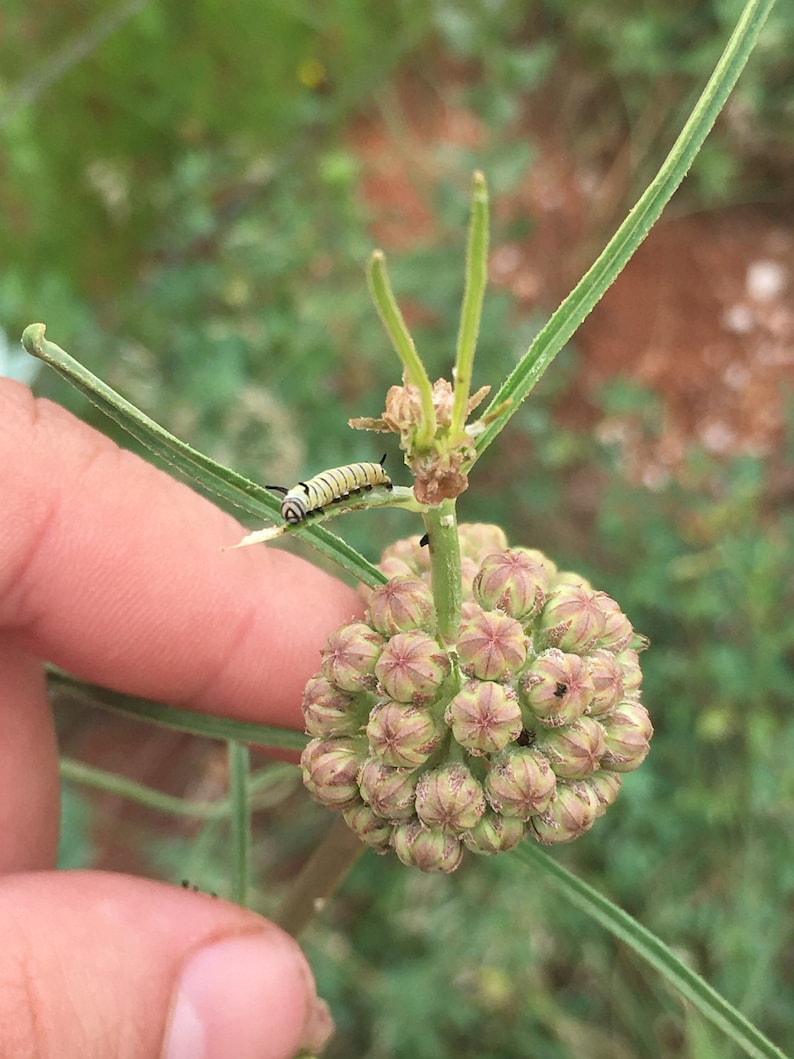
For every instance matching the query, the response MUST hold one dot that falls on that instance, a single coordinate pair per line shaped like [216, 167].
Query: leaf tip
[32, 338]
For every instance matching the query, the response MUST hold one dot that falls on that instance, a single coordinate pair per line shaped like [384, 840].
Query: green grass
[197, 234]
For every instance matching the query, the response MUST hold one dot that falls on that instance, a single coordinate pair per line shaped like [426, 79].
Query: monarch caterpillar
[330, 487]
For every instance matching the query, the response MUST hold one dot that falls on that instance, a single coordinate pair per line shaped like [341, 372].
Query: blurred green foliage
[182, 204]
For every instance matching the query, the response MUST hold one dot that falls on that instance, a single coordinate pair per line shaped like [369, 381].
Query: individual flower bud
[468, 571]
[412, 667]
[426, 848]
[329, 711]
[520, 783]
[400, 735]
[410, 552]
[350, 655]
[469, 610]
[393, 568]
[491, 646]
[330, 771]
[556, 688]
[478, 539]
[403, 603]
[575, 750]
[563, 579]
[606, 787]
[607, 677]
[511, 582]
[571, 619]
[449, 797]
[573, 812]
[618, 630]
[372, 829]
[628, 731]
[484, 716]
[537, 556]
[389, 791]
[494, 834]
[631, 674]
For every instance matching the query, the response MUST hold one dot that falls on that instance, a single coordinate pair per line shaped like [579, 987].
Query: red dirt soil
[702, 315]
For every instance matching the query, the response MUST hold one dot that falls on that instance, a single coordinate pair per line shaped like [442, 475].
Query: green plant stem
[444, 544]
[239, 796]
[392, 318]
[111, 783]
[646, 945]
[319, 877]
[586, 294]
[473, 295]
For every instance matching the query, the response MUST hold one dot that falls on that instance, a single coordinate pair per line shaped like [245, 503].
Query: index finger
[114, 571]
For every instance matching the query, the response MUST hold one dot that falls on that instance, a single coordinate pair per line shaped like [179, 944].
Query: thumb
[94, 965]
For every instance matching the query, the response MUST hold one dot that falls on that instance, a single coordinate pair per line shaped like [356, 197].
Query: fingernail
[251, 997]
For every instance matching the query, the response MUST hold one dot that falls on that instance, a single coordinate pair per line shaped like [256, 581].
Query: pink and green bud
[388, 790]
[484, 716]
[350, 655]
[628, 732]
[607, 677]
[393, 567]
[449, 797]
[330, 771]
[572, 619]
[427, 848]
[478, 539]
[557, 688]
[402, 604]
[574, 751]
[409, 552]
[494, 834]
[468, 571]
[412, 667]
[606, 787]
[511, 582]
[631, 674]
[573, 812]
[328, 711]
[400, 735]
[491, 646]
[372, 829]
[537, 556]
[520, 783]
[563, 579]
[618, 631]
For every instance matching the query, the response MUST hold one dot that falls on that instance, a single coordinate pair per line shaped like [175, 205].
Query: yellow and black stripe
[330, 487]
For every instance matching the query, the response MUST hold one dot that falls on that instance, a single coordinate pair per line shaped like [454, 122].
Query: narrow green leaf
[622, 926]
[473, 296]
[392, 319]
[102, 780]
[212, 476]
[239, 796]
[178, 719]
[586, 294]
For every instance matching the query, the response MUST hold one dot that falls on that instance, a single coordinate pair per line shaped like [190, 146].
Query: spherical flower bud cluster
[523, 727]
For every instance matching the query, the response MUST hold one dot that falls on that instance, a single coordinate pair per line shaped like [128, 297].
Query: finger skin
[89, 963]
[114, 571]
[28, 766]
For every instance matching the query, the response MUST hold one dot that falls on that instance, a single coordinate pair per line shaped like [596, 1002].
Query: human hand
[114, 571]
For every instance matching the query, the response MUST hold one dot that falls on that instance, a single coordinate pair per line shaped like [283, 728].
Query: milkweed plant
[487, 701]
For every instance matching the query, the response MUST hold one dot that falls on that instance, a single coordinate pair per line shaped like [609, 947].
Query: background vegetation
[182, 201]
